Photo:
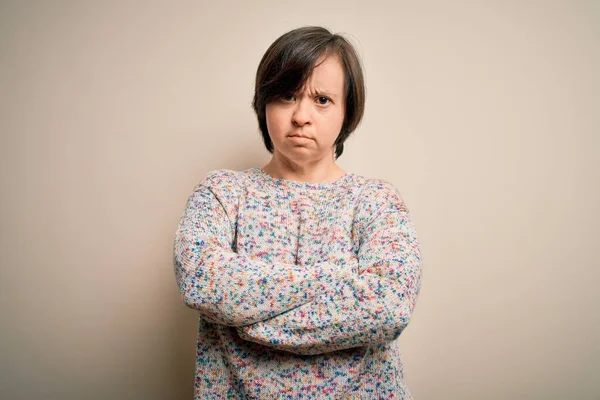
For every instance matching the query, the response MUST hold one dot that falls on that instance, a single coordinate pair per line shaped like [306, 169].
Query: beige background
[485, 114]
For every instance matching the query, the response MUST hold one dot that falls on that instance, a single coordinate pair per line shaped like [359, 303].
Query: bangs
[290, 71]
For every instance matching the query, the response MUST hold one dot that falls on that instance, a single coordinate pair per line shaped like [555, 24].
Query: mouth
[299, 137]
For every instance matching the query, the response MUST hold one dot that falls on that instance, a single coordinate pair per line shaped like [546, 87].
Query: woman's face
[304, 126]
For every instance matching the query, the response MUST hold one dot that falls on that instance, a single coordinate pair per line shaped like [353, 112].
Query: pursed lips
[302, 136]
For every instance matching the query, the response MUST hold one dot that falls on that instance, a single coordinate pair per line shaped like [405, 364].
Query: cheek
[274, 119]
[335, 121]
[269, 120]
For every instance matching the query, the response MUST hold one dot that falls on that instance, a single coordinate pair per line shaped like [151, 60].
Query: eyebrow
[325, 93]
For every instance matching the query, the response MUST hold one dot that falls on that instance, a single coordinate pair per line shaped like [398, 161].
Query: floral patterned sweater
[302, 289]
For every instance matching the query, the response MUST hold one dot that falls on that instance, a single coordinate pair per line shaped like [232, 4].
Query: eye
[323, 100]
[287, 97]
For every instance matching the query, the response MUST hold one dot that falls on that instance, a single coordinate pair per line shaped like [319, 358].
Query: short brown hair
[287, 65]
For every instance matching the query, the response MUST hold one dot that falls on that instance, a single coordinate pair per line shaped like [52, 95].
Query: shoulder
[381, 208]
[221, 180]
[378, 193]
[225, 185]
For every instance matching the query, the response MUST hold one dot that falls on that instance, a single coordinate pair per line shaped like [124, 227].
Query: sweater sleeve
[371, 306]
[229, 288]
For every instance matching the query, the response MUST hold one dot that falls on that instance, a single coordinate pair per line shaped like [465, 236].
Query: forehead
[328, 75]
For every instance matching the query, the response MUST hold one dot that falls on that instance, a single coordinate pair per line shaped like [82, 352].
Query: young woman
[303, 275]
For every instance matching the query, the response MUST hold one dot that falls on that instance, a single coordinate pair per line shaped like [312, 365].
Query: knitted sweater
[302, 289]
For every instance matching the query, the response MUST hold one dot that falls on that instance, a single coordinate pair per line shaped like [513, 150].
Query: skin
[316, 111]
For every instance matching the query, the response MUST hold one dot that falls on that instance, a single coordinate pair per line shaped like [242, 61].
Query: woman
[303, 274]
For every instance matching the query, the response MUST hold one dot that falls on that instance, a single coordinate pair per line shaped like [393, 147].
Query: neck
[318, 171]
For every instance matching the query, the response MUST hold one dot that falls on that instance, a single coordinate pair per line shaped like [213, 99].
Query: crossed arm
[232, 289]
[303, 310]
[373, 306]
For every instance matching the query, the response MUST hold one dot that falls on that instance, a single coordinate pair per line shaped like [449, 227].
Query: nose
[301, 115]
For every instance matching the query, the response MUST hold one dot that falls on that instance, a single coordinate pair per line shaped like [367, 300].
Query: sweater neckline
[289, 183]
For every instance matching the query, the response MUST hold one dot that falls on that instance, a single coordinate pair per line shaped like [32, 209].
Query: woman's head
[309, 82]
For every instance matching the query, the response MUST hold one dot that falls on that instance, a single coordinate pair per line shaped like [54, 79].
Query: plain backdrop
[485, 115]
